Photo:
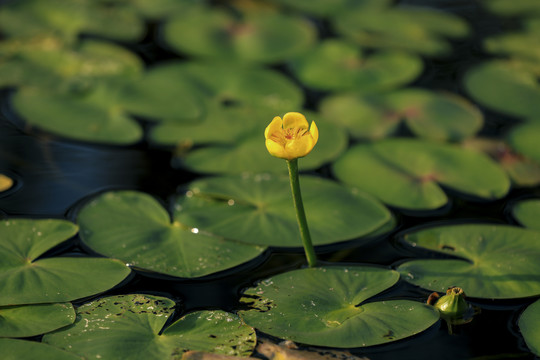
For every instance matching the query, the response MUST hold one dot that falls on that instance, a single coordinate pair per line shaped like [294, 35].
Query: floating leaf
[333, 7]
[508, 87]
[524, 139]
[238, 100]
[71, 18]
[422, 30]
[406, 172]
[338, 65]
[252, 36]
[249, 155]
[517, 7]
[327, 306]
[258, 209]
[130, 326]
[529, 325]
[527, 213]
[134, 227]
[493, 261]
[25, 278]
[32, 320]
[14, 349]
[437, 116]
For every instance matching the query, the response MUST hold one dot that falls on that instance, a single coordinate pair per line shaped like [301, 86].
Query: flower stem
[300, 214]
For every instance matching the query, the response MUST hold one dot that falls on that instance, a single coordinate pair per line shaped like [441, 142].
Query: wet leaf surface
[493, 261]
[131, 326]
[134, 227]
[327, 306]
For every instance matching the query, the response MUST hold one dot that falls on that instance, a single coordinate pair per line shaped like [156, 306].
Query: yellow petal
[314, 131]
[295, 120]
[299, 147]
[276, 149]
[275, 126]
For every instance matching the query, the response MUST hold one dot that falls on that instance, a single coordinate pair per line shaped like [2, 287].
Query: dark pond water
[54, 176]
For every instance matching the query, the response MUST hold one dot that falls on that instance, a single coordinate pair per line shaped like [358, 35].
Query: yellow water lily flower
[290, 138]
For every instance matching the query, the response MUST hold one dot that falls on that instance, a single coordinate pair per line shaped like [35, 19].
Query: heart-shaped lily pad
[510, 87]
[494, 261]
[338, 65]
[529, 325]
[131, 326]
[14, 349]
[437, 116]
[134, 227]
[27, 279]
[327, 306]
[32, 320]
[251, 36]
[238, 100]
[527, 213]
[420, 29]
[258, 209]
[249, 154]
[406, 172]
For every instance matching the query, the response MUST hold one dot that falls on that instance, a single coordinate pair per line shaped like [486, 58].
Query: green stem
[300, 214]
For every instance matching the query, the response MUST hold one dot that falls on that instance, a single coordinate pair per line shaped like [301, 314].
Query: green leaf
[493, 261]
[508, 87]
[32, 320]
[134, 227]
[25, 278]
[529, 326]
[258, 209]
[130, 326]
[524, 139]
[249, 154]
[436, 116]
[338, 65]
[414, 29]
[326, 306]
[406, 172]
[527, 213]
[225, 36]
[13, 349]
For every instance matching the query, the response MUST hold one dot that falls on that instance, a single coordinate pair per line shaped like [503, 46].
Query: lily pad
[25, 278]
[327, 8]
[527, 213]
[49, 63]
[524, 139]
[523, 171]
[509, 87]
[338, 65]
[32, 320]
[327, 306]
[14, 349]
[406, 173]
[134, 227]
[520, 44]
[5, 182]
[419, 29]
[258, 209]
[249, 155]
[238, 100]
[132, 326]
[517, 7]
[220, 34]
[492, 261]
[529, 325]
[69, 19]
[437, 116]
